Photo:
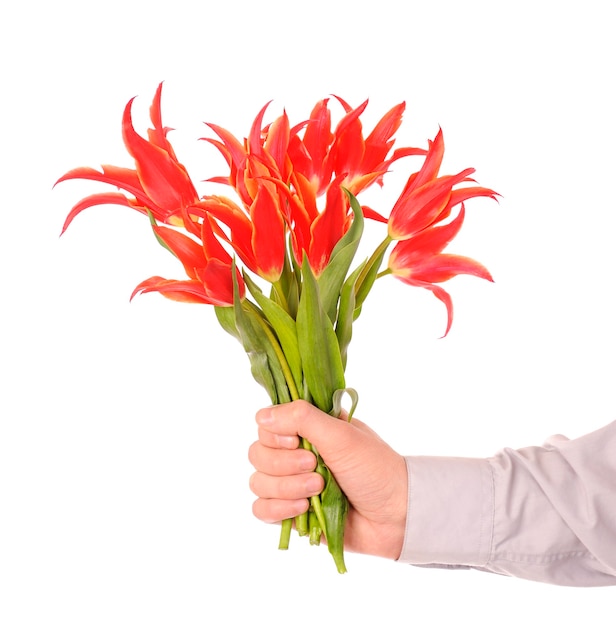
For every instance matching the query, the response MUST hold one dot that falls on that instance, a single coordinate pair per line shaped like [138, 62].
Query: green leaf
[283, 325]
[250, 329]
[250, 336]
[369, 275]
[226, 318]
[355, 232]
[318, 345]
[335, 507]
[335, 273]
[289, 287]
[346, 312]
[337, 402]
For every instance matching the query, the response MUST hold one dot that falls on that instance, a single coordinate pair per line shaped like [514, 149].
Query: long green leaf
[371, 270]
[251, 336]
[335, 273]
[226, 318]
[346, 311]
[335, 507]
[318, 345]
[283, 326]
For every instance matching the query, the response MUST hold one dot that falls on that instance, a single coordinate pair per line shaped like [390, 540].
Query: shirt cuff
[450, 512]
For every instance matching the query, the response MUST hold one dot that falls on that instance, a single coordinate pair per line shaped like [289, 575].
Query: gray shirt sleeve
[545, 513]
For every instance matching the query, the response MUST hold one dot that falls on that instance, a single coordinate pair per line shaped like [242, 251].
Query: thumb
[326, 433]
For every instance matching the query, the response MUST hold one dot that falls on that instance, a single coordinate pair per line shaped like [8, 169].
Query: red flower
[418, 261]
[322, 154]
[257, 234]
[318, 237]
[301, 163]
[428, 199]
[159, 183]
[258, 171]
[206, 263]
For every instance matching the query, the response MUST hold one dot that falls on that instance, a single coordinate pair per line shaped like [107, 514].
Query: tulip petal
[190, 291]
[93, 200]
[268, 234]
[443, 267]
[163, 179]
[189, 252]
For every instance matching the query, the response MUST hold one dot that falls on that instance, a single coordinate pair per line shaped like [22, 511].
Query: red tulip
[324, 154]
[428, 199]
[258, 234]
[419, 261]
[206, 263]
[159, 183]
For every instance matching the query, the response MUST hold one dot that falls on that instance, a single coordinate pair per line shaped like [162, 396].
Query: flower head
[159, 183]
[420, 262]
[427, 198]
[206, 263]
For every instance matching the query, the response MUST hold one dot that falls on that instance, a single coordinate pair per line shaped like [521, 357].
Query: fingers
[292, 419]
[286, 488]
[302, 419]
[281, 498]
[284, 479]
[272, 511]
[280, 462]
[274, 440]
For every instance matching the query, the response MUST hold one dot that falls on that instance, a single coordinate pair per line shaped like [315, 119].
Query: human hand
[371, 474]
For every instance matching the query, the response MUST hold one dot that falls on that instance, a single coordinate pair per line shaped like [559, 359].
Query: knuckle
[252, 453]
[253, 483]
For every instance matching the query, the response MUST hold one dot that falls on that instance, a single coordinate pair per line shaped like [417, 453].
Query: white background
[125, 427]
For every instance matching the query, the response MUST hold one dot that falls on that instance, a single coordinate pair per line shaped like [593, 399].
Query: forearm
[543, 513]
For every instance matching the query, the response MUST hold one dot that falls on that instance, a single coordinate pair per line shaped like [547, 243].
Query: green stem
[315, 529]
[301, 524]
[281, 295]
[315, 501]
[384, 273]
[376, 256]
[286, 370]
[285, 534]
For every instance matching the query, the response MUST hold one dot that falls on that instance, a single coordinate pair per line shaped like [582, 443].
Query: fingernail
[314, 484]
[307, 462]
[286, 441]
[265, 417]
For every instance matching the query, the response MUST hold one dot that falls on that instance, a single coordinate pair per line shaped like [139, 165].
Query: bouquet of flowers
[278, 259]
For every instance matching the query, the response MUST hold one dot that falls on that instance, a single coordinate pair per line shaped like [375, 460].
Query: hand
[372, 475]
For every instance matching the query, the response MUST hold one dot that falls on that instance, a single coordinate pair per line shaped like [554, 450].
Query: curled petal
[421, 206]
[371, 214]
[238, 223]
[465, 193]
[93, 200]
[217, 282]
[348, 149]
[121, 177]
[189, 252]
[277, 144]
[428, 242]
[158, 135]
[191, 291]
[431, 166]
[442, 267]
[162, 177]
[268, 234]
[214, 286]
[443, 296]
[255, 138]
[328, 228]
[379, 141]
[318, 136]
